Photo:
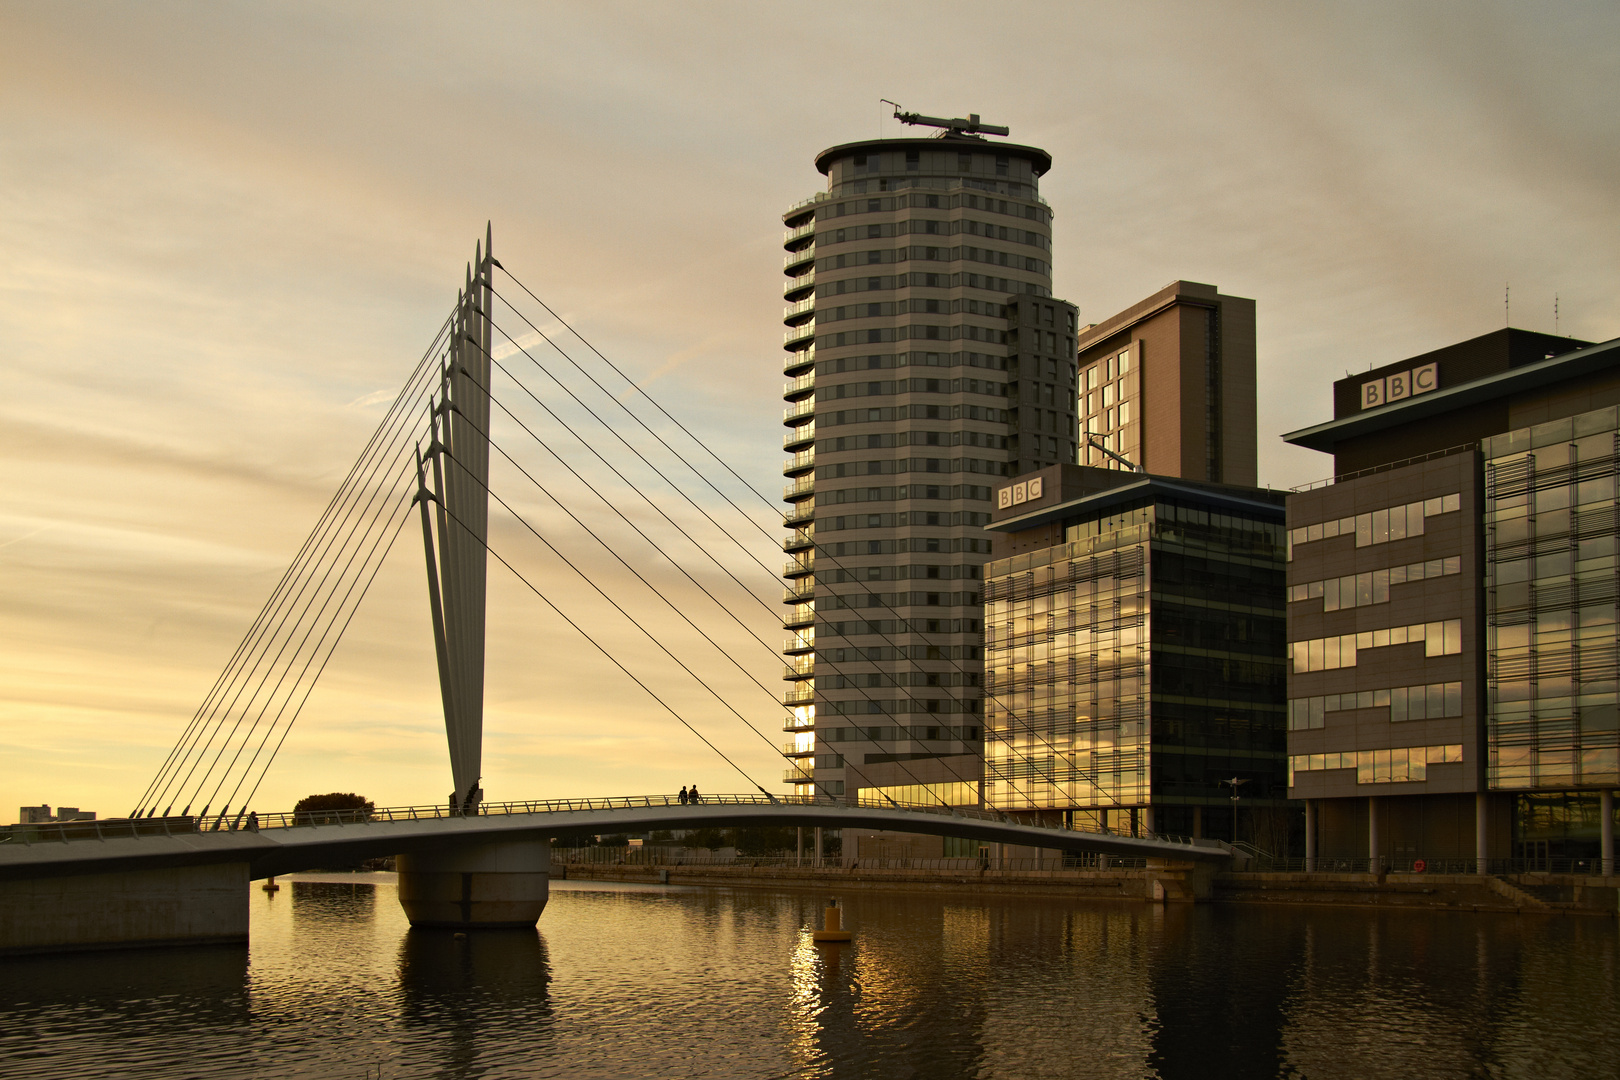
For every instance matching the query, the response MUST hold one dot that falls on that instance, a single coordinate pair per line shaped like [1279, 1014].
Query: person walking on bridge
[693, 797]
[683, 794]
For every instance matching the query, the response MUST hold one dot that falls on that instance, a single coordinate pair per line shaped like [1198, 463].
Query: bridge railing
[674, 857]
[113, 828]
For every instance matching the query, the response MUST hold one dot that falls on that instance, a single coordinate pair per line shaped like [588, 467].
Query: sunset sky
[228, 230]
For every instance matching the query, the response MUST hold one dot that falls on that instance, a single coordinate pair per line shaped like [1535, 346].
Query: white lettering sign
[1400, 386]
[1019, 493]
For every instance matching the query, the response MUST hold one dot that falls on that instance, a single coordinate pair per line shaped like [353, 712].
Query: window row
[1400, 764]
[1429, 702]
[1379, 526]
[1371, 586]
[1327, 654]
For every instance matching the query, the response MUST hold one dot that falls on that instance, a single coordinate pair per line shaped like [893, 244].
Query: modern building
[1134, 654]
[928, 362]
[1452, 608]
[1169, 385]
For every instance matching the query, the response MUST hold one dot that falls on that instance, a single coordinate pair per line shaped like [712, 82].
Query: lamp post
[1234, 784]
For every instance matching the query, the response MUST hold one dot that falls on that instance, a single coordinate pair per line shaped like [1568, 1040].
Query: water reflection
[628, 981]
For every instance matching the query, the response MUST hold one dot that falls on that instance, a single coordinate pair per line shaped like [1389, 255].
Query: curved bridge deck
[283, 843]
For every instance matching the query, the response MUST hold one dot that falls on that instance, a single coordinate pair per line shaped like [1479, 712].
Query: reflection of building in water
[1134, 651]
[1452, 612]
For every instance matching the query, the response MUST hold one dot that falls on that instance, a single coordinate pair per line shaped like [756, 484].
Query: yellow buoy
[832, 925]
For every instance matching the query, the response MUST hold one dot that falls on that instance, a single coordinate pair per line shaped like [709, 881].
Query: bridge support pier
[499, 885]
[185, 905]
[1179, 882]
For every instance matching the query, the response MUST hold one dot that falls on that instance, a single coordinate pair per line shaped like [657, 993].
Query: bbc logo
[1023, 492]
[1398, 387]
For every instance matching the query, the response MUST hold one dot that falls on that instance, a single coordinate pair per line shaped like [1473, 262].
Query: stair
[1525, 901]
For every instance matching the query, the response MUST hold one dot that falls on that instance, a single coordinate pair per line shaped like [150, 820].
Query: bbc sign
[1398, 387]
[1023, 492]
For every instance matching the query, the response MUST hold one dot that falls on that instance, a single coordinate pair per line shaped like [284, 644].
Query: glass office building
[1134, 663]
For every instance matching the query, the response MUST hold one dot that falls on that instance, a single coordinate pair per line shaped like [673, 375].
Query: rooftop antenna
[1096, 443]
[1507, 307]
[970, 128]
[1555, 314]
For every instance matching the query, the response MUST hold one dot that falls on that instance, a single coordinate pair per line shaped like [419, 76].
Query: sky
[228, 231]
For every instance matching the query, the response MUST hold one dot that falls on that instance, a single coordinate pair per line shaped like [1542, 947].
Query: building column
[1374, 847]
[1198, 823]
[1482, 835]
[1147, 820]
[798, 854]
[818, 846]
[1310, 834]
[1607, 804]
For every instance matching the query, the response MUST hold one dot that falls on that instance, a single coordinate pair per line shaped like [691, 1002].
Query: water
[642, 981]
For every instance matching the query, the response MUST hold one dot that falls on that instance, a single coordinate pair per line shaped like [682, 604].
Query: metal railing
[116, 828]
[655, 856]
[1410, 865]
[1460, 448]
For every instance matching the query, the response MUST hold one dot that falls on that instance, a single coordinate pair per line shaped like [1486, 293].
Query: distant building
[1134, 652]
[38, 815]
[1169, 384]
[1452, 608]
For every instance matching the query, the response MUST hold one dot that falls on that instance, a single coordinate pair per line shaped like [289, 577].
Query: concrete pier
[503, 884]
[189, 905]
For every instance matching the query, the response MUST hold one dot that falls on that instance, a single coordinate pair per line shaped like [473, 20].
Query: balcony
[805, 256]
[801, 385]
[798, 488]
[820, 196]
[793, 749]
[795, 334]
[800, 667]
[803, 694]
[801, 436]
[799, 410]
[802, 615]
[796, 285]
[799, 515]
[799, 541]
[804, 564]
[802, 462]
[795, 776]
[794, 238]
[803, 641]
[796, 362]
[800, 723]
[799, 590]
[803, 309]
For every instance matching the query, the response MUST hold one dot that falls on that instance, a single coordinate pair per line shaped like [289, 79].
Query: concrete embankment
[1525, 893]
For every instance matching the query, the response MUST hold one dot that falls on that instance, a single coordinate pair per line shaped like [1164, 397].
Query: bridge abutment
[1179, 882]
[190, 905]
[494, 885]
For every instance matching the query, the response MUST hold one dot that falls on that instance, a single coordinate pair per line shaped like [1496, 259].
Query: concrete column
[798, 854]
[1374, 844]
[1607, 804]
[1198, 823]
[1147, 820]
[1482, 834]
[183, 905]
[502, 884]
[817, 861]
[1310, 834]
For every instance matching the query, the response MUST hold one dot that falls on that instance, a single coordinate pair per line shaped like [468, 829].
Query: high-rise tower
[928, 360]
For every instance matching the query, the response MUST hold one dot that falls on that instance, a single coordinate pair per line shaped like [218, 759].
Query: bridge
[162, 877]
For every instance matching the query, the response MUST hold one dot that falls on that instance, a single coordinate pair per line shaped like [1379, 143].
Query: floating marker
[832, 925]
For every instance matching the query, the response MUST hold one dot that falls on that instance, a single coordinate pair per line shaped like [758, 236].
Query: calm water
[633, 981]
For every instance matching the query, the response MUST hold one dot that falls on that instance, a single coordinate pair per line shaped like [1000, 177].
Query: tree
[705, 838]
[335, 806]
[761, 840]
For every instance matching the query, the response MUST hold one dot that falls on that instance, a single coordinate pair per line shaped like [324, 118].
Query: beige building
[927, 361]
[1169, 384]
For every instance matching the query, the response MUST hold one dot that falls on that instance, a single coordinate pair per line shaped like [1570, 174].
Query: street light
[1234, 784]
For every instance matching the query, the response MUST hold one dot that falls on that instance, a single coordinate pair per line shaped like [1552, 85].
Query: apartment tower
[927, 361]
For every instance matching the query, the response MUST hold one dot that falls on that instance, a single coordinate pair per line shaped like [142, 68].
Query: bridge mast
[464, 529]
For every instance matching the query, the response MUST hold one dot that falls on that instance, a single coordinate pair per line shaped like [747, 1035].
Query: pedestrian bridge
[286, 842]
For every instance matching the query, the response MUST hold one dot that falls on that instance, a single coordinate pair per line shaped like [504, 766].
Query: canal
[626, 980]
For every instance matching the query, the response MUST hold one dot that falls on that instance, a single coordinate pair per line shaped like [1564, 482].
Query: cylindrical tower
[899, 279]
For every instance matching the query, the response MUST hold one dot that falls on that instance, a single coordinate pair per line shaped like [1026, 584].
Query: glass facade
[1139, 663]
[1550, 532]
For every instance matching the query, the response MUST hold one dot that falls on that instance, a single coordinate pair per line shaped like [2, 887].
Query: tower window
[1001, 164]
[913, 160]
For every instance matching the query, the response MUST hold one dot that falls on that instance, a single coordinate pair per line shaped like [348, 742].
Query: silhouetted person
[694, 795]
[683, 795]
